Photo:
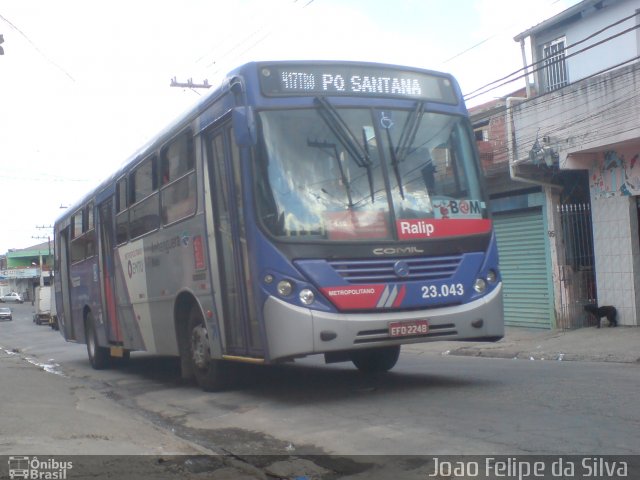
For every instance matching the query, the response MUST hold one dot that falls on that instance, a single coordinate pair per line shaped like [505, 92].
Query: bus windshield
[350, 174]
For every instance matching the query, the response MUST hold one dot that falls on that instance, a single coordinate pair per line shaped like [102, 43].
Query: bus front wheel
[209, 372]
[374, 360]
[98, 356]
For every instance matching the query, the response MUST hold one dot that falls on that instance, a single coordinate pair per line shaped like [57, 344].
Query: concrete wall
[607, 54]
[617, 253]
[582, 118]
[595, 126]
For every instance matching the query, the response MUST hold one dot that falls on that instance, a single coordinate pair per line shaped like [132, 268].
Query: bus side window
[178, 191]
[89, 231]
[76, 222]
[177, 158]
[77, 245]
[143, 191]
[122, 214]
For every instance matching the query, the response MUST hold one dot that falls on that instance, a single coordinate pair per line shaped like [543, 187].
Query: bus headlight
[307, 297]
[492, 276]
[285, 288]
[479, 285]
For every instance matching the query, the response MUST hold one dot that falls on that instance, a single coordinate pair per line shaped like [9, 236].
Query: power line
[233, 48]
[36, 48]
[618, 115]
[239, 44]
[540, 63]
[42, 177]
[481, 42]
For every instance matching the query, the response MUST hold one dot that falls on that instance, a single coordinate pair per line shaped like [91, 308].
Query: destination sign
[355, 80]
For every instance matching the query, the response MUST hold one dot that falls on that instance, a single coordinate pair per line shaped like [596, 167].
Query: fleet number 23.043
[444, 290]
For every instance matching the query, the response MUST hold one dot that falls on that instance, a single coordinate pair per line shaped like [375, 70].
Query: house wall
[520, 212]
[498, 138]
[614, 183]
[615, 172]
[592, 124]
[582, 118]
[611, 52]
[600, 57]
[617, 251]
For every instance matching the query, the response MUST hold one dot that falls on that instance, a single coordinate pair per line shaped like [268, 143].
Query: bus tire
[372, 360]
[209, 373]
[98, 356]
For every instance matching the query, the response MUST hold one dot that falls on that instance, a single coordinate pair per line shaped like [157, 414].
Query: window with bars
[554, 65]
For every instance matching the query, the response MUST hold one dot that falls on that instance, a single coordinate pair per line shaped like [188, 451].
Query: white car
[11, 297]
[5, 313]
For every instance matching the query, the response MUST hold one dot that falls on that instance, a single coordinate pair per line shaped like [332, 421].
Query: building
[581, 132]
[27, 268]
[520, 212]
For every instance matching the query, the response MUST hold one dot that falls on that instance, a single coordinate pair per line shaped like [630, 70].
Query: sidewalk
[618, 344]
[45, 412]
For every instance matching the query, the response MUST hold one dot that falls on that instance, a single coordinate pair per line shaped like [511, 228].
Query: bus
[300, 208]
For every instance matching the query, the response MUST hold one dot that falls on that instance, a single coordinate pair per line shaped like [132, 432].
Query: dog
[605, 311]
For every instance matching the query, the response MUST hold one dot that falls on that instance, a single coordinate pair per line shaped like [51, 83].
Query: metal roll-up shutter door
[523, 264]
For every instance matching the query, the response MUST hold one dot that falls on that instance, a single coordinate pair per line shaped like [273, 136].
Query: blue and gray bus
[301, 208]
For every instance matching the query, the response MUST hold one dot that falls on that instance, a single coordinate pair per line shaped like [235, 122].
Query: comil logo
[37, 469]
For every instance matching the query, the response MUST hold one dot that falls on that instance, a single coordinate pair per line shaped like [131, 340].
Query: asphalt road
[429, 404]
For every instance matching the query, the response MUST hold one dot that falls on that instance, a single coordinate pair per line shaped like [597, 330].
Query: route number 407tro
[444, 290]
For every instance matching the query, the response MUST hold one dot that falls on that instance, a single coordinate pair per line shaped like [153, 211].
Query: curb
[541, 355]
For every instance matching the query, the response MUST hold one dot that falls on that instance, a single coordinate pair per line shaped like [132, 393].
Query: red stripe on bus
[441, 227]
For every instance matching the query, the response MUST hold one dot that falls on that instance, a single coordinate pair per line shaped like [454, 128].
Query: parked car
[5, 313]
[11, 297]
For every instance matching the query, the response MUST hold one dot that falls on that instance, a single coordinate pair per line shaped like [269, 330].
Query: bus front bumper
[295, 331]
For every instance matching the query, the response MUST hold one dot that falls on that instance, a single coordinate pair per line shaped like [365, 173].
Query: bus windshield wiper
[341, 130]
[407, 137]
[336, 155]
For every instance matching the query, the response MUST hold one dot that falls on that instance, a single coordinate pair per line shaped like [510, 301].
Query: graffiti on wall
[615, 176]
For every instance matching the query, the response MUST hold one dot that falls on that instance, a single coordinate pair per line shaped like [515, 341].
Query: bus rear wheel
[374, 360]
[98, 356]
[209, 373]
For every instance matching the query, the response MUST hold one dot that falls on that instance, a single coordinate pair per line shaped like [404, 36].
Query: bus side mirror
[244, 126]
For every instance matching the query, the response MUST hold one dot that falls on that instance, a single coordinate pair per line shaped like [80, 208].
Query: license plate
[405, 329]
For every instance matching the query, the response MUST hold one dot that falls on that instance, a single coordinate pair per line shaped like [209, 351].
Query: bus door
[107, 269]
[62, 290]
[241, 330]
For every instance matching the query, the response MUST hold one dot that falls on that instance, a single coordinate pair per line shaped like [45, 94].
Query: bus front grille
[386, 270]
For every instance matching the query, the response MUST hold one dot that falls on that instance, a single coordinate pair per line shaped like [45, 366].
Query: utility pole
[41, 272]
[48, 237]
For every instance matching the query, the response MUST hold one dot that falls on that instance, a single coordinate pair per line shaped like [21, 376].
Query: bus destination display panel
[367, 81]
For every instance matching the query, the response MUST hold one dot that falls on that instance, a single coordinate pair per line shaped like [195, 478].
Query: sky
[84, 84]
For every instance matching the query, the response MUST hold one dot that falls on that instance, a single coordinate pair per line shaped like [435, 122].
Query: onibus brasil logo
[34, 468]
